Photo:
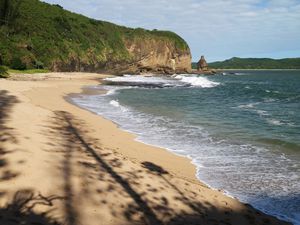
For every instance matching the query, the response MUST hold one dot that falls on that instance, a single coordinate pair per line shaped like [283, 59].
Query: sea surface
[241, 129]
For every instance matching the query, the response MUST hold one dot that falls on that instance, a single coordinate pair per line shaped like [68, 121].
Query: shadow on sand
[20, 209]
[6, 134]
[127, 194]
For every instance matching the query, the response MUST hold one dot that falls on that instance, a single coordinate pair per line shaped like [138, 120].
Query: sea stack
[202, 64]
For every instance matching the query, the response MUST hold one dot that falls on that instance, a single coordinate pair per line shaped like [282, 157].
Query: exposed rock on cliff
[149, 55]
[158, 56]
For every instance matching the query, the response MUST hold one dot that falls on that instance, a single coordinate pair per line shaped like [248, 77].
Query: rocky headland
[39, 35]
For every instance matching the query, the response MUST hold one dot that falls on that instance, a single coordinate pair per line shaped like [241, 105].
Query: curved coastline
[45, 107]
[193, 175]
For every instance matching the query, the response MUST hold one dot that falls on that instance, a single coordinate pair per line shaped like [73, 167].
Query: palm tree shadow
[7, 135]
[21, 210]
[75, 137]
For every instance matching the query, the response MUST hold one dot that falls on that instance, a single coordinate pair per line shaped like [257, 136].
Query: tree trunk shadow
[7, 135]
[149, 215]
[75, 138]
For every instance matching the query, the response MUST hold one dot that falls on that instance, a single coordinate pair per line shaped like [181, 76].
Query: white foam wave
[262, 112]
[232, 73]
[269, 91]
[111, 92]
[267, 100]
[176, 80]
[116, 104]
[197, 81]
[280, 123]
[137, 79]
[275, 122]
[248, 106]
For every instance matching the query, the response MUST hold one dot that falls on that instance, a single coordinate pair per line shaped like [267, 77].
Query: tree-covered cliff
[34, 34]
[257, 63]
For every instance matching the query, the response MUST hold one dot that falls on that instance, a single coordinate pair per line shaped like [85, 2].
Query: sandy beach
[60, 164]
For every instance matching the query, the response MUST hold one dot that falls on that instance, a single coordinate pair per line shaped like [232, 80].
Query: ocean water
[241, 129]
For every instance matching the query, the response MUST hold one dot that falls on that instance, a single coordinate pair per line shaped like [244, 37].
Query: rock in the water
[202, 64]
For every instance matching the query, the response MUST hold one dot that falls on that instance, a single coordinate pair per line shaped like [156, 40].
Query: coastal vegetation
[37, 35]
[28, 71]
[3, 72]
[256, 63]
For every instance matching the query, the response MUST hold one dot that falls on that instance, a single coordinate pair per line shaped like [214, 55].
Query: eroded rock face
[146, 56]
[158, 56]
[202, 64]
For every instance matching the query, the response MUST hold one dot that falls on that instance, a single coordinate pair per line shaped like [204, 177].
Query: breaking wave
[183, 80]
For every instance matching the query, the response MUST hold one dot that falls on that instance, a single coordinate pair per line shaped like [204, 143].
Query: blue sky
[218, 29]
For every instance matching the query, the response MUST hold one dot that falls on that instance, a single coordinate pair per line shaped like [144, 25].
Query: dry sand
[60, 164]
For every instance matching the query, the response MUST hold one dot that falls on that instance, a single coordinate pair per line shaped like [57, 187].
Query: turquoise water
[241, 130]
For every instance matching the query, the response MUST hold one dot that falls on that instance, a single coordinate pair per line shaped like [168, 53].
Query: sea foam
[116, 104]
[157, 81]
[197, 81]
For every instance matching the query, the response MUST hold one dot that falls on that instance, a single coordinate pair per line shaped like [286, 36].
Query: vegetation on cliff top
[257, 63]
[35, 34]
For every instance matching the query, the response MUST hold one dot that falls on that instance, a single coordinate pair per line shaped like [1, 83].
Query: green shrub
[17, 64]
[39, 65]
[3, 72]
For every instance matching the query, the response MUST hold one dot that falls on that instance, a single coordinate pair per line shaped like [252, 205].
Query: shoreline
[88, 90]
[136, 171]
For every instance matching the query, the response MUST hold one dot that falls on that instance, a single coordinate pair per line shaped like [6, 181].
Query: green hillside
[257, 63]
[34, 34]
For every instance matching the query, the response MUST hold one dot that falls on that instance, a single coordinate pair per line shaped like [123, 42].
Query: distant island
[37, 35]
[254, 63]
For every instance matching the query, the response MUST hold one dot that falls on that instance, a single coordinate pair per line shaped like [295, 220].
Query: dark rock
[202, 64]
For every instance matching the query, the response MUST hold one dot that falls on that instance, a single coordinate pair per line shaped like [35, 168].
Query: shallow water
[241, 130]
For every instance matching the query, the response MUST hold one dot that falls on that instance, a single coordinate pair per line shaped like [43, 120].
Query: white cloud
[216, 28]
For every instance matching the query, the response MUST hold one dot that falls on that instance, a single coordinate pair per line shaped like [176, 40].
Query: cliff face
[145, 56]
[40, 35]
[158, 56]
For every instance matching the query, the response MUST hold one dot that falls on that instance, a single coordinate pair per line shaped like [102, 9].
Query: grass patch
[30, 71]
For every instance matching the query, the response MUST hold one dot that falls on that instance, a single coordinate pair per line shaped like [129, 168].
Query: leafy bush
[17, 64]
[39, 65]
[3, 72]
